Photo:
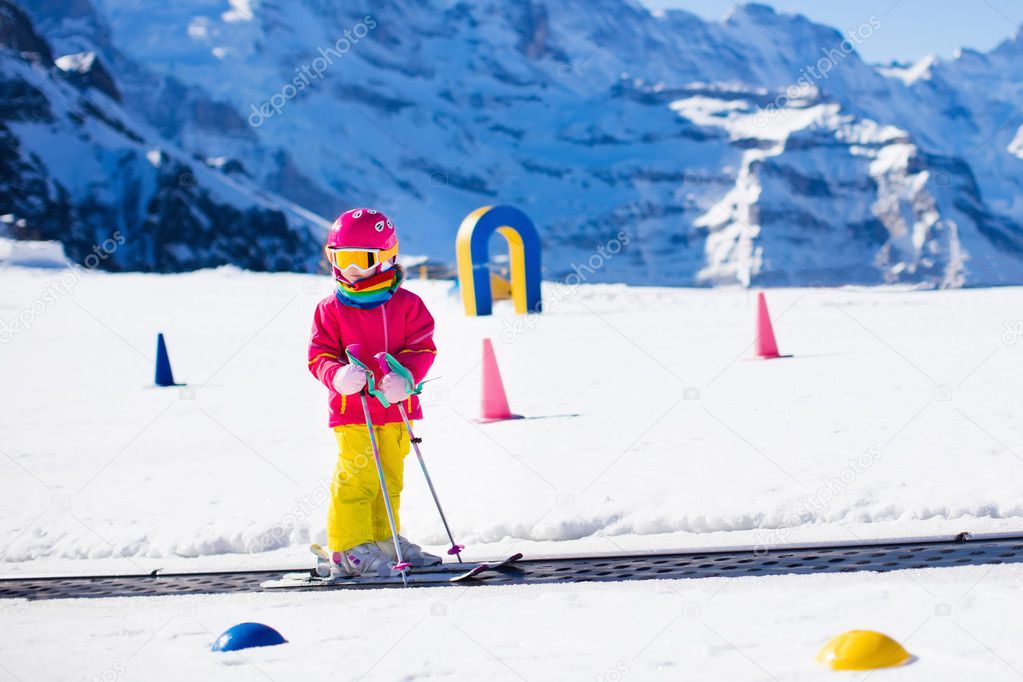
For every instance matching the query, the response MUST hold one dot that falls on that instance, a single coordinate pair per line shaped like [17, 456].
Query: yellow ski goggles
[363, 259]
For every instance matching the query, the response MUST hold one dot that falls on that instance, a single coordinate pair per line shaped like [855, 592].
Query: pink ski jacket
[402, 326]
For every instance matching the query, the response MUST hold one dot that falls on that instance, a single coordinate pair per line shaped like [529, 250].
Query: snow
[77, 63]
[958, 623]
[241, 10]
[199, 28]
[1016, 146]
[649, 426]
[38, 254]
[921, 69]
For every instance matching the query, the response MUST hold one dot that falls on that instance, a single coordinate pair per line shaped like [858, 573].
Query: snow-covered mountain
[78, 166]
[757, 150]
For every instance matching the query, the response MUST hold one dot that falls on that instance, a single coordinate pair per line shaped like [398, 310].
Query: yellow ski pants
[356, 513]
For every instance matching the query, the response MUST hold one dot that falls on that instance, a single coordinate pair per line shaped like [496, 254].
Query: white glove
[349, 379]
[394, 387]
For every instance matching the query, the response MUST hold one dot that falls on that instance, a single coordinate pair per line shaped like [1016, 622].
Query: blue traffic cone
[164, 375]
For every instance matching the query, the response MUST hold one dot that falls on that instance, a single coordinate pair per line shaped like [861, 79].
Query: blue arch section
[472, 248]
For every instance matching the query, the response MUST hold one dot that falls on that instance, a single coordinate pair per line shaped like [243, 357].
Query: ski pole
[402, 565]
[387, 364]
[456, 549]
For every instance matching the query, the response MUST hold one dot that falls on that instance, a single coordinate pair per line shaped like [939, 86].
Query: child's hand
[394, 387]
[349, 379]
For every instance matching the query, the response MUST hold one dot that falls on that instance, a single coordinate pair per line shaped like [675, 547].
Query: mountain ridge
[709, 143]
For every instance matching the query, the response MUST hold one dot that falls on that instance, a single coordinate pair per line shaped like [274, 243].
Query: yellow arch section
[517, 258]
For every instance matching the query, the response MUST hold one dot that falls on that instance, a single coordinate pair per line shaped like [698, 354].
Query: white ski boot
[410, 552]
[365, 559]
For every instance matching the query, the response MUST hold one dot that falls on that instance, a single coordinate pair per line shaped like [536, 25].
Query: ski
[484, 567]
[427, 575]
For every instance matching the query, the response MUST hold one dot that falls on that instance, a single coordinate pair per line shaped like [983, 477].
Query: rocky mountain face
[77, 167]
[759, 150]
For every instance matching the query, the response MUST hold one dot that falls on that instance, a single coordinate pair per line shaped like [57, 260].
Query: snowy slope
[957, 623]
[595, 117]
[651, 427]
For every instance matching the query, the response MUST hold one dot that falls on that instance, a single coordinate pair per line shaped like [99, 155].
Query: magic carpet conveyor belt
[961, 550]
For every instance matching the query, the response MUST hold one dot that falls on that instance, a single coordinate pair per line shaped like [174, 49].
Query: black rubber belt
[835, 559]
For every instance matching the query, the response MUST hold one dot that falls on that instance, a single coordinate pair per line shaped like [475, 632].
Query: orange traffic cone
[494, 405]
[766, 346]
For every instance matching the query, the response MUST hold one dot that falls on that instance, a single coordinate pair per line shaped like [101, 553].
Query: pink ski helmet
[363, 237]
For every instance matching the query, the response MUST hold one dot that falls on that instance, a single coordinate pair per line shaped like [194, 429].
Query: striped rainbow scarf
[370, 292]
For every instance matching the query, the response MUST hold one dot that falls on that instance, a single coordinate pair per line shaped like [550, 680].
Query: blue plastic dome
[246, 636]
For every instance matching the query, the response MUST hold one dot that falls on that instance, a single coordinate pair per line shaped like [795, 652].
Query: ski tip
[484, 567]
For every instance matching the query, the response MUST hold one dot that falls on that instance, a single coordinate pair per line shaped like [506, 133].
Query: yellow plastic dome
[862, 650]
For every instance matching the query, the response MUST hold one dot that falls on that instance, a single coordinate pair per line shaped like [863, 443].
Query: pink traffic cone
[494, 405]
[767, 347]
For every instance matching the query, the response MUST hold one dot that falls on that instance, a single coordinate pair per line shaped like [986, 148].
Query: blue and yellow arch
[523, 252]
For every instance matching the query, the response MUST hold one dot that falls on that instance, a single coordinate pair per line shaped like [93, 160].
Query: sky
[909, 30]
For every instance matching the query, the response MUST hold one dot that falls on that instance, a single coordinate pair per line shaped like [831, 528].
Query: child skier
[368, 308]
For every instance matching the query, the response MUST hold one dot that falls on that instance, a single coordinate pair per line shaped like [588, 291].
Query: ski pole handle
[385, 368]
[388, 363]
[354, 352]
